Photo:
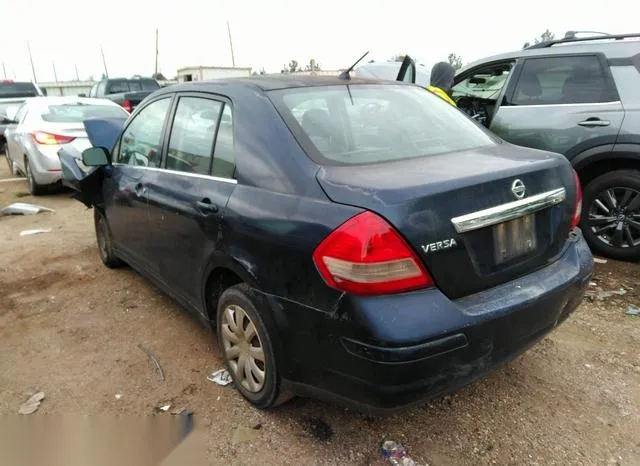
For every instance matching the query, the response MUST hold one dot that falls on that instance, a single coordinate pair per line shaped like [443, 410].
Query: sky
[269, 33]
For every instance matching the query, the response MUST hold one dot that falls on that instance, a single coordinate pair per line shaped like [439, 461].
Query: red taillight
[127, 105]
[365, 255]
[42, 137]
[578, 207]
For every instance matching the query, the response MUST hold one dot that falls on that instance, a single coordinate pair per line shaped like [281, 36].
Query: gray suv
[579, 97]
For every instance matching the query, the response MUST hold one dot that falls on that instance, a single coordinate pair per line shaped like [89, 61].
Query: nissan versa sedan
[41, 126]
[354, 240]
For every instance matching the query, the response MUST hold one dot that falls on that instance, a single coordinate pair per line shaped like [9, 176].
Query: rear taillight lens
[575, 220]
[42, 137]
[367, 256]
[127, 106]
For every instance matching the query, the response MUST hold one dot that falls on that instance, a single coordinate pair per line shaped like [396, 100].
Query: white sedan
[42, 125]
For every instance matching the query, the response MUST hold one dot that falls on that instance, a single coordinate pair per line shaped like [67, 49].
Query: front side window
[563, 80]
[359, 124]
[141, 142]
[486, 83]
[192, 135]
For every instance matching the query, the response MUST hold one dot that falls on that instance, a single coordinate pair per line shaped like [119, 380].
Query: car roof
[272, 82]
[610, 47]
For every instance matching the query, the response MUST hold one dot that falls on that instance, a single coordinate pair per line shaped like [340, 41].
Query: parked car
[370, 257]
[12, 94]
[41, 126]
[578, 97]
[127, 93]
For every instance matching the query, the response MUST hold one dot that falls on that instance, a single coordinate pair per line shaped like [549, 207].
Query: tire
[34, 188]
[103, 238]
[600, 228]
[239, 302]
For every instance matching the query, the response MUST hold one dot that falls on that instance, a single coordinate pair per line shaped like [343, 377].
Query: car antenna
[345, 74]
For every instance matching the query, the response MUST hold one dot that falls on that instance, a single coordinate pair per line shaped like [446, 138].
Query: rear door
[136, 159]
[188, 196]
[560, 103]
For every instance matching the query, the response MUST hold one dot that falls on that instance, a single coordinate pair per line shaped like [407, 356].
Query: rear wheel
[34, 188]
[247, 347]
[103, 237]
[611, 215]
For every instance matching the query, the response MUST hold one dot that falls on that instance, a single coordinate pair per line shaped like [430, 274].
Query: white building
[202, 73]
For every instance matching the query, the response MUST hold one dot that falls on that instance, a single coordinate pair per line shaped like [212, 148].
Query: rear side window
[563, 80]
[11, 89]
[141, 141]
[224, 156]
[359, 124]
[192, 135]
[77, 113]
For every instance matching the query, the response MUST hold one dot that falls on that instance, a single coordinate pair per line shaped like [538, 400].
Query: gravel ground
[70, 327]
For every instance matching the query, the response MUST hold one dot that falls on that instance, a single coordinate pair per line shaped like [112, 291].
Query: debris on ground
[221, 377]
[178, 411]
[118, 396]
[602, 295]
[632, 310]
[243, 435]
[396, 454]
[22, 208]
[318, 428]
[257, 426]
[37, 231]
[597, 260]
[163, 407]
[154, 360]
[32, 404]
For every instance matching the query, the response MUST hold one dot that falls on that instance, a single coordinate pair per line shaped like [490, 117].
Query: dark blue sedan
[355, 240]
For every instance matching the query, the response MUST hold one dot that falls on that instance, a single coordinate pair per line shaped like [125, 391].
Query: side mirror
[95, 157]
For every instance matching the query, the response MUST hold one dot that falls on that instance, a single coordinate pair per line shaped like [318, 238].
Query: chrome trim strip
[590, 104]
[177, 172]
[509, 211]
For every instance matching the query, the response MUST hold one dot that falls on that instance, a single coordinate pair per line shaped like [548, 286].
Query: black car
[355, 240]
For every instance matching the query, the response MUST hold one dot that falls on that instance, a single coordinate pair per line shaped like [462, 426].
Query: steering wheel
[475, 110]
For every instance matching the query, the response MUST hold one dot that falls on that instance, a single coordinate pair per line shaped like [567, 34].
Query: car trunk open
[421, 196]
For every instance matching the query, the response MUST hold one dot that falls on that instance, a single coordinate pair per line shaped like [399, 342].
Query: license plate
[514, 238]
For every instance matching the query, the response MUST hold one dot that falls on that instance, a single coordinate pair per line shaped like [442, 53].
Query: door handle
[592, 122]
[206, 207]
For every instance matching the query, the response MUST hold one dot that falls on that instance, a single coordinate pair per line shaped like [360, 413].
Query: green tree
[313, 65]
[158, 76]
[398, 57]
[292, 67]
[544, 37]
[455, 61]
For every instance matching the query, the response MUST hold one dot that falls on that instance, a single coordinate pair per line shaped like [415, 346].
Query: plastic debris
[597, 260]
[632, 310]
[221, 377]
[602, 295]
[396, 454]
[22, 208]
[243, 435]
[165, 407]
[118, 396]
[32, 404]
[35, 232]
[178, 411]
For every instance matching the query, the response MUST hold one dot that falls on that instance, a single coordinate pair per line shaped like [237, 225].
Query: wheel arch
[602, 159]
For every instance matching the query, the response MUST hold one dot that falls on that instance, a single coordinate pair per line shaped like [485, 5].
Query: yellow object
[442, 94]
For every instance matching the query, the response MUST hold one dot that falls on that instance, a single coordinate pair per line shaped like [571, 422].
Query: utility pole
[104, 62]
[55, 74]
[4, 71]
[156, 72]
[233, 60]
[77, 74]
[33, 68]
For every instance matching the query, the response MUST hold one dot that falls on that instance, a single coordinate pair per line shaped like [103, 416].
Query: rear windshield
[131, 85]
[359, 124]
[17, 90]
[77, 113]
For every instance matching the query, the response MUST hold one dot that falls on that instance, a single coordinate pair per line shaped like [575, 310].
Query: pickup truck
[127, 93]
[12, 95]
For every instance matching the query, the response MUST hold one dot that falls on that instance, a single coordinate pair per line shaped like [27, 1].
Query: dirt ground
[70, 327]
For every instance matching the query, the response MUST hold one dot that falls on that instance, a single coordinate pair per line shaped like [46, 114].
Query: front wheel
[611, 215]
[34, 188]
[105, 244]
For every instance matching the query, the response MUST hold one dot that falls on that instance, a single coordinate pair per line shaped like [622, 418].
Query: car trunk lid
[442, 205]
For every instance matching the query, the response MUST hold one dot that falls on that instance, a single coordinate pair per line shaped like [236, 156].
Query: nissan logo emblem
[518, 189]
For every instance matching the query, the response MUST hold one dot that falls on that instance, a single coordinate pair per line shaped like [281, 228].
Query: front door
[188, 196]
[563, 104]
[135, 157]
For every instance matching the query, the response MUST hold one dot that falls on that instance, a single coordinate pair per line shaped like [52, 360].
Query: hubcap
[614, 217]
[243, 348]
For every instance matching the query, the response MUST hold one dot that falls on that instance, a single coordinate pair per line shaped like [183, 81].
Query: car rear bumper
[45, 164]
[378, 354]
